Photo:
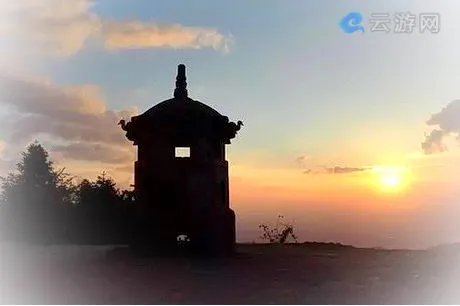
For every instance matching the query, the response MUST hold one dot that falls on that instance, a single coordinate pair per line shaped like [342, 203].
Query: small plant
[279, 233]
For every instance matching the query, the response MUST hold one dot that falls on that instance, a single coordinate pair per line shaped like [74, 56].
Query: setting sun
[391, 178]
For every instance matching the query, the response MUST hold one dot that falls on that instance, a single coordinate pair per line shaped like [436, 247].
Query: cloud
[302, 160]
[307, 163]
[58, 27]
[136, 35]
[345, 170]
[336, 170]
[447, 122]
[64, 27]
[126, 169]
[75, 118]
[434, 142]
[95, 152]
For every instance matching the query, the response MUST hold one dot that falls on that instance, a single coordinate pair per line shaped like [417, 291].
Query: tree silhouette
[39, 204]
[33, 198]
[103, 209]
[98, 196]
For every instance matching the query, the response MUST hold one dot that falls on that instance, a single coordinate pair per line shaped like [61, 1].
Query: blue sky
[290, 63]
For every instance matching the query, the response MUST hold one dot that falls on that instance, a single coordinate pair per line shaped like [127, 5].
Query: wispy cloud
[447, 123]
[302, 160]
[310, 166]
[345, 170]
[136, 35]
[63, 28]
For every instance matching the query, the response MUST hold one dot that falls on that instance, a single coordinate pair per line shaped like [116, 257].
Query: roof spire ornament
[181, 83]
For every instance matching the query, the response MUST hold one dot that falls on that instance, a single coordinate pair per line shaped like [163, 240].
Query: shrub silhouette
[279, 233]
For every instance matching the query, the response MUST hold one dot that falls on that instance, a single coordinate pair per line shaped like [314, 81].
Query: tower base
[209, 233]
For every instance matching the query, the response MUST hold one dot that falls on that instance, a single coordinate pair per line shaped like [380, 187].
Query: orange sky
[354, 208]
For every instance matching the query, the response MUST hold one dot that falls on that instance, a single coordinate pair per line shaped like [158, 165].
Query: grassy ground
[258, 274]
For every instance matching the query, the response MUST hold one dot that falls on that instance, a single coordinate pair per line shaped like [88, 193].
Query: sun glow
[391, 178]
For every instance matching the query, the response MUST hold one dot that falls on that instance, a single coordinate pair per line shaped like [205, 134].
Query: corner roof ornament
[181, 83]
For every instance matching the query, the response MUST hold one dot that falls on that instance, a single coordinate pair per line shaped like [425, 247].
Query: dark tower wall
[190, 193]
[182, 195]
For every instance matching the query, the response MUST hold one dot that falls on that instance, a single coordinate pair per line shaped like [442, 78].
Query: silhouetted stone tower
[181, 175]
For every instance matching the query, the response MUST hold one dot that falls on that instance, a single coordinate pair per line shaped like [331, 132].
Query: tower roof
[181, 107]
[181, 118]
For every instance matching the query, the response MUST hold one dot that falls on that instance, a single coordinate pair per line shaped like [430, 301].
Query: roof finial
[181, 83]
